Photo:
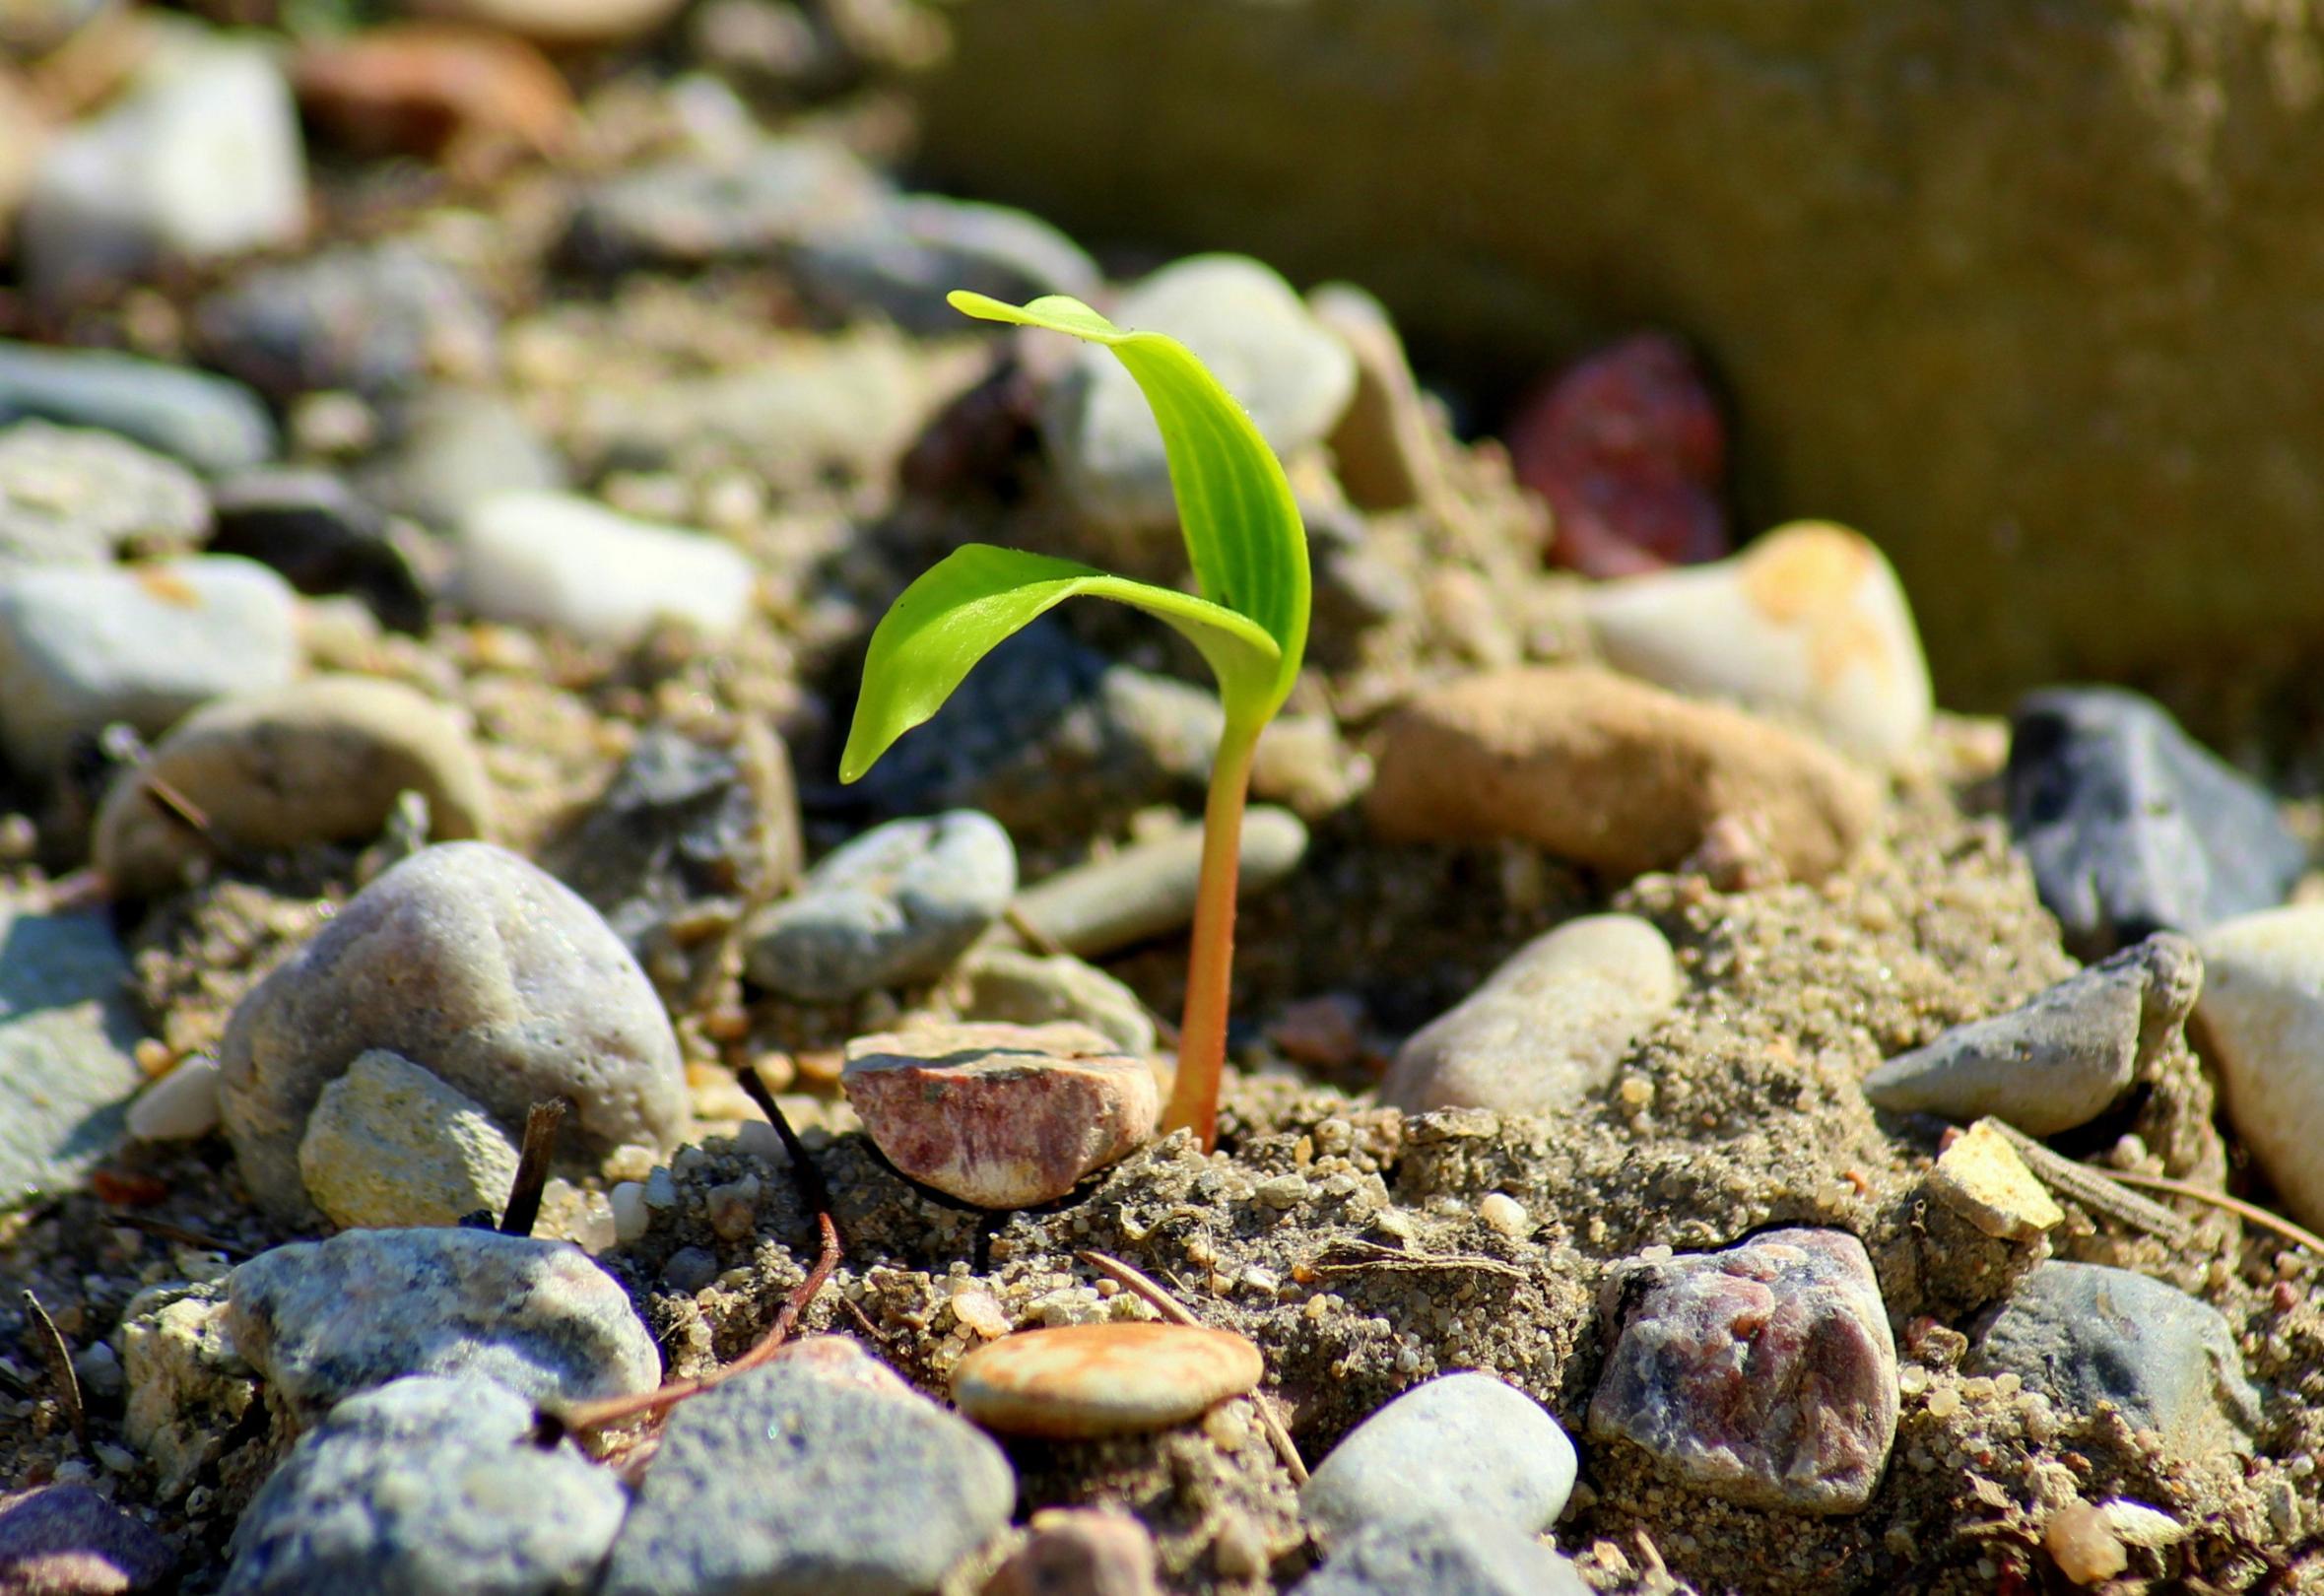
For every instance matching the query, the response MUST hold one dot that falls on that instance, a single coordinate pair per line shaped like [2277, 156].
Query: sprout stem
[1210, 960]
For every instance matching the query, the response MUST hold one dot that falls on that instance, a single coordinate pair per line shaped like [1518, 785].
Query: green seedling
[1248, 617]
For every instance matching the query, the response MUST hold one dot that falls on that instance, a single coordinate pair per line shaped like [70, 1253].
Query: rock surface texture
[2262, 1020]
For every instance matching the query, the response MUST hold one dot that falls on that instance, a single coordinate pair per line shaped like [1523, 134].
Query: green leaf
[1242, 524]
[974, 598]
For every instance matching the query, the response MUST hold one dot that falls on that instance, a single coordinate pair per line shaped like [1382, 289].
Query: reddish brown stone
[437, 90]
[1000, 1116]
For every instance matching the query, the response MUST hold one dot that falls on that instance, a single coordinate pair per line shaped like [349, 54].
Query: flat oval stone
[1468, 1443]
[1102, 1379]
[1000, 1116]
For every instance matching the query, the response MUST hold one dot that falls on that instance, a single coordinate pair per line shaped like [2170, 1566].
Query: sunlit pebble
[1943, 1402]
[2285, 1297]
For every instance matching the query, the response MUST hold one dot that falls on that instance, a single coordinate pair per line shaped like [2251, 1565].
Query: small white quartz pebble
[1504, 1214]
[180, 1106]
[631, 1218]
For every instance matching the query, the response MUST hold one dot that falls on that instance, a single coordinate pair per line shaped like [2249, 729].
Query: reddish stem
[1210, 960]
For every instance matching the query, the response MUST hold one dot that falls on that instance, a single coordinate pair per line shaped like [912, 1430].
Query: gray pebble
[66, 1069]
[2063, 1057]
[1289, 373]
[896, 905]
[80, 649]
[322, 1320]
[367, 317]
[789, 1481]
[1463, 1444]
[1026, 989]
[427, 1487]
[76, 496]
[1452, 1555]
[213, 424]
[1547, 1029]
[390, 1145]
[902, 258]
[693, 212]
[478, 966]
[456, 448]
[2088, 1333]
[1148, 889]
[689, 1269]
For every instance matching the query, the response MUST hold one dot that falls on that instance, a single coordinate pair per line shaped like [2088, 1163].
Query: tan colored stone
[1000, 1116]
[1610, 773]
[2087, 1551]
[1102, 1379]
[389, 1146]
[1982, 1179]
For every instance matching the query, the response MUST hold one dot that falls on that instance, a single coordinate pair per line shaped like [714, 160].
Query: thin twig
[541, 1126]
[1336, 1259]
[168, 1232]
[59, 1359]
[1170, 1308]
[177, 806]
[2099, 1190]
[2250, 1213]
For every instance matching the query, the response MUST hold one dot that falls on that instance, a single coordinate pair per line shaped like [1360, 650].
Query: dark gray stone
[2089, 1333]
[374, 318]
[1765, 1373]
[67, 1028]
[1455, 1556]
[211, 422]
[913, 249]
[2132, 827]
[2060, 1059]
[322, 1320]
[321, 537]
[428, 1487]
[789, 1481]
[66, 1540]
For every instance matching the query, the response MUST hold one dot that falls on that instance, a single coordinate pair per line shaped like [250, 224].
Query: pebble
[902, 256]
[427, 1487]
[1459, 1444]
[77, 497]
[2262, 1020]
[1290, 373]
[1385, 447]
[321, 1321]
[368, 319]
[1764, 1373]
[747, 207]
[313, 531]
[1610, 773]
[67, 1540]
[1080, 1552]
[462, 97]
[67, 1067]
[2085, 1550]
[1000, 1116]
[1026, 989]
[199, 159]
[558, 560]
[1148, 889]
[2084, 1333]
[1455, 1556]
[389, 1145]
[1115, 1378]
[2132, 827]
[1809, 622]
[789, 1482]
[456, 449]
[560, 24]
[1548, 1029]
[188, 1389]
[1050, 736]
[80, 649]
[182, 1106]
[478, 966]
[2063, 1057]
[896, 905]
[322, 760]
[1629, 450]
[1980, 1177]
[211, 422]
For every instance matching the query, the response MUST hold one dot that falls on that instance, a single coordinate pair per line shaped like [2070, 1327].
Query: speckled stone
[1468, 1443]
[389, 1145]
[1764, 1373]
[324, 1319]
[66, 1540]
[1102, 1379]
[2089, 1333]
[78, 496]
[1547, 1029]
[2061, 1058]
[787, 1482]
[479, 968]
[427, 1487]
[1000, 1116]
[1459, 1556]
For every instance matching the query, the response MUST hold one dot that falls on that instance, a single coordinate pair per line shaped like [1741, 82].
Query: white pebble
[632, 1217]
[1504, 1214]
[182, 1106]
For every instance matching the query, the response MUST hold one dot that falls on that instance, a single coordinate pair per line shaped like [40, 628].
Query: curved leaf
[1242, 524]
[974, 598]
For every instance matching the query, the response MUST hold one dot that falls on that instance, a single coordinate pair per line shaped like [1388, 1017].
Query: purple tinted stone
[66, 1540]
[1765, 1373]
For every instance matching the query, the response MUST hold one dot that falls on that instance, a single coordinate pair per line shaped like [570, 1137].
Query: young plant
[1249, 621]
